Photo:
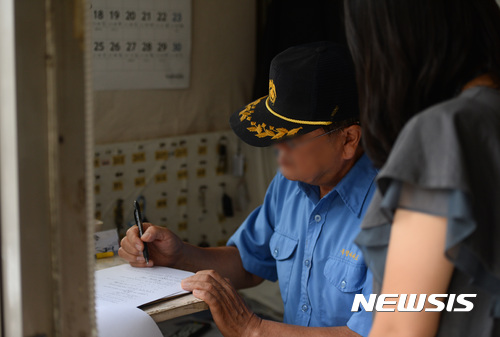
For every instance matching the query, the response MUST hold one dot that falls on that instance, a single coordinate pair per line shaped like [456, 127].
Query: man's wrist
[254, 327]
[180, 259]
[185, 258]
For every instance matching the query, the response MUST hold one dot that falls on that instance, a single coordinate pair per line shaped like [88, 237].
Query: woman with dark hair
[428, 74]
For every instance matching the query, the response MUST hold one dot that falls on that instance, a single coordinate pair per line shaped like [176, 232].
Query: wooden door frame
[46, 177]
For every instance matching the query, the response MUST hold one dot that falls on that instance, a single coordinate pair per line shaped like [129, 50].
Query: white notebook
[125, 321]
[129, 286]
[121, 289]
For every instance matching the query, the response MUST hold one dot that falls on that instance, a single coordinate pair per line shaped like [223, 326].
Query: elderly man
[302, 235]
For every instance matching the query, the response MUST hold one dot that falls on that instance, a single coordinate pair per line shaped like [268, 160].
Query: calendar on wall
[141, 44]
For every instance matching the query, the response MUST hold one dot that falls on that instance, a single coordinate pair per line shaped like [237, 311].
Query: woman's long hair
[411, 54]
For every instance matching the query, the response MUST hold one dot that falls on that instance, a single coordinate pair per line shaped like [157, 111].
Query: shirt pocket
[282, 249]
[346, 276]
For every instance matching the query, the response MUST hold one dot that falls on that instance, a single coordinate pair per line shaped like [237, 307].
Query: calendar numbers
[146, 46]
[99, 46]
[114, 15]
[146, 16]
[114, 46]
[177, 46]
[99, 15]
[133, 15]
[131, 46]
[176, 17]
[130, 15]
[162, 46]
[148, 42]
[162, 17]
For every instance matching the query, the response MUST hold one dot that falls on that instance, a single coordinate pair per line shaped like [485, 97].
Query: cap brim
[257, 126]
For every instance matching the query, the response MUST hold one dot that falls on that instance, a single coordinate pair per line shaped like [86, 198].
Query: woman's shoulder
[477, 103]
[433, 146]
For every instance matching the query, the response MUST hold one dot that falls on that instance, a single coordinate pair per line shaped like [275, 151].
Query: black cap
[310, 86]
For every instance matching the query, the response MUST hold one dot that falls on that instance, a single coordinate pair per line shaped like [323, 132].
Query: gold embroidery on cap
[335, 111]
[272, 92]
[271, 131]
[262, 130]
[249, 109]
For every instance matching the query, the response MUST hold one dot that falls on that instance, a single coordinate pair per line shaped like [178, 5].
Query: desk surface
[165, 310]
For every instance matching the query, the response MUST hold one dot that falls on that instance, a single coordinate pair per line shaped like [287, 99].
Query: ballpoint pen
[138, 222]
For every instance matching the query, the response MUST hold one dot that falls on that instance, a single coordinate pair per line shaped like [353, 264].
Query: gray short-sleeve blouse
[446, 161]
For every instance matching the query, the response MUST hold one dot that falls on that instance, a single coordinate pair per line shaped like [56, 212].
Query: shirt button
[317, 218]
[343, 284]
[305, 307]
[307, 263]
[275, 253]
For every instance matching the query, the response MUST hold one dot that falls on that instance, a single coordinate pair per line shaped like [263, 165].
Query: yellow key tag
[138, 157]
[161, 203]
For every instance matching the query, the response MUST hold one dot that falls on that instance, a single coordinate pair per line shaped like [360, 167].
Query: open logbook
[122, 289]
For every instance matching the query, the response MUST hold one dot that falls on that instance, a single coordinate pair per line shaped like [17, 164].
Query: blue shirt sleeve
[253, 236]
[361, 321]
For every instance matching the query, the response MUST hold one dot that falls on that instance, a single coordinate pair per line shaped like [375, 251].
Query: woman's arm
[416, 264]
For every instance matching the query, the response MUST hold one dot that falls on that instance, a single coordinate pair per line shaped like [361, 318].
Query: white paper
[124, 321]
[128, 286]
[141, 44]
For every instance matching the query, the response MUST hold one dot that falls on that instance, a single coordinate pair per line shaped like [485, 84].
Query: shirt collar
[352, 189]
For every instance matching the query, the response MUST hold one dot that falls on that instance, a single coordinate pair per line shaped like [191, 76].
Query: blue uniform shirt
[307, 243]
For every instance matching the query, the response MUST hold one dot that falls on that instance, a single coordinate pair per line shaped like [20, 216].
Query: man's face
[311, 160]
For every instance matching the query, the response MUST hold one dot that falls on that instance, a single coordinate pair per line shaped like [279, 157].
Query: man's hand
[164, 247]
[230, 313]
[167, 249]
